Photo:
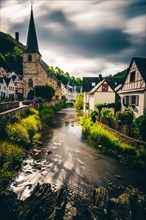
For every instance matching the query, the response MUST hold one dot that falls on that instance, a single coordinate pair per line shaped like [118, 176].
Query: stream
[66, 157]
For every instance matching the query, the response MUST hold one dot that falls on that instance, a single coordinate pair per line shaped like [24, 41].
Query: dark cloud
[135, 8]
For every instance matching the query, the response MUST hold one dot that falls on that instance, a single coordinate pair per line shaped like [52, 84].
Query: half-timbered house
[133, 91]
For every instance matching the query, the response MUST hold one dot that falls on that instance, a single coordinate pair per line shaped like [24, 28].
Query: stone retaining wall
[8, 105]
[124, 138]
[7, 116]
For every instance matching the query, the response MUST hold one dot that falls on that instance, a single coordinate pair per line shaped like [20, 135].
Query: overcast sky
[83, 37]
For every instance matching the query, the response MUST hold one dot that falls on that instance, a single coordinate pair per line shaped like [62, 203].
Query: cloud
[82, 37]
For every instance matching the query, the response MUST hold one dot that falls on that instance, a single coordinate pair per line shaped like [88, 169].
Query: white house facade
[133, 91]
[102, 93]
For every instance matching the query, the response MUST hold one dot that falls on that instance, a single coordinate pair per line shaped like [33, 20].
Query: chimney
[17, 36]
[100, 77]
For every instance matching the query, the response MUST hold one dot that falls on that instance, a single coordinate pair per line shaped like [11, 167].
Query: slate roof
[88, 83]
[7, 80]
[32, 43]
[46, 69]
[96, 87]
[141, 64]
[108, 81]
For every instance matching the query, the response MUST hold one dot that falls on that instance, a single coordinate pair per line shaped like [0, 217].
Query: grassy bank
[133, 156]
[20, 133]
[47, 113]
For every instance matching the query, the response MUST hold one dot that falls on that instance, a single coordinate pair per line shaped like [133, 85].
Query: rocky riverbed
[69, 203]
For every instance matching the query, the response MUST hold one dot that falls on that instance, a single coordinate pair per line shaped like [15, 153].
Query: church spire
[32, 43]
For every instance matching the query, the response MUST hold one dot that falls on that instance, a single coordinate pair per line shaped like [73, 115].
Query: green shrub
[11, 157]
[31, 124]
[140, 123]
[5, 176]
[93, 115]
[125, 117]
[18, 134]
[10, 153]
[107, 113]
[46, 113]
[135, 157]
[79, 102]
[100, 107]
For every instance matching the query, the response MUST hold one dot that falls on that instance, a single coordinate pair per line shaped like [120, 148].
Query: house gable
[102, 86]
[136, 76]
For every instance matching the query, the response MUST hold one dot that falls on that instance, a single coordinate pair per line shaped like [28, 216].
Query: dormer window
[29, 57]
[132, 76]
[93, 84]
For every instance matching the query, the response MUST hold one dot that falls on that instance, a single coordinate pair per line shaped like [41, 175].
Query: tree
[45, 92]
[79, 102]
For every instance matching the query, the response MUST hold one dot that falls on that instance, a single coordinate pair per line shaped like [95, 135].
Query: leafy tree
[45, 92]
[79, 102]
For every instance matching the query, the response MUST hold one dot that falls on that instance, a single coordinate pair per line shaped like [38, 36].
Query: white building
[133, 91]
[102, 93]
[7, 86]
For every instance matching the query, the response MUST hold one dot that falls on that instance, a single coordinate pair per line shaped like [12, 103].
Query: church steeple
[32, 43]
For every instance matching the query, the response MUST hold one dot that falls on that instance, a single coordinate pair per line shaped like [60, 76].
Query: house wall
[91, 103]
[144, 102]
[138, 82]
[101, 98]
[137, 110]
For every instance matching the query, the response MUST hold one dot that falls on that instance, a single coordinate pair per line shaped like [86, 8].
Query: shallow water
[66, 157]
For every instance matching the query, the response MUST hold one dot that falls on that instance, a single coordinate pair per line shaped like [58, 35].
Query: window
[134, 100]
[30, 83]
[104, 87]
[29, 57]
[126, 100]
[132, 77]
[131, 100]
[93, 84]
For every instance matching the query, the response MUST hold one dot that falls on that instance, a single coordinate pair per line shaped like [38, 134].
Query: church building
[35, 71]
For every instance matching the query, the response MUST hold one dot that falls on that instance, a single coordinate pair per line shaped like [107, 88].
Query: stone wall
[124, 138]
[8, 105]
[7, 117]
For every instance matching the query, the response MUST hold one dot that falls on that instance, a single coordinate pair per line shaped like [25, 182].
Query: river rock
[45, 204]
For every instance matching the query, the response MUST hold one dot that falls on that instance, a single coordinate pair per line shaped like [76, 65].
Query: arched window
[30, 83]
[29, 57]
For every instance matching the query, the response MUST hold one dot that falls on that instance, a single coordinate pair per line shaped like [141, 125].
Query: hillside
[120, 75]
[11, 58]
[11, 53]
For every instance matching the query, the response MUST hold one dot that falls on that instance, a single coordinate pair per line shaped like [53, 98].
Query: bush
[46, 114]
[140, 123]
[10, 153]
[107, 113]
[11, 157]
[100, 107]
[79, 102]
[93, 116]
[18, 134]
[135, 157]
[31, 124]
[125, 117]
